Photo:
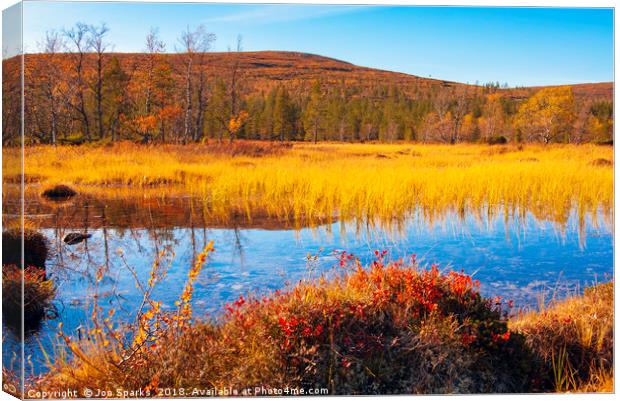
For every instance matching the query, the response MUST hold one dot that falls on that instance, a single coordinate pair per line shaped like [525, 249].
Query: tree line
[78, 91]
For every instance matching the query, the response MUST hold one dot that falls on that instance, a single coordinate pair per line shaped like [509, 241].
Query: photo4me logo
[255, 391]
[175, 392]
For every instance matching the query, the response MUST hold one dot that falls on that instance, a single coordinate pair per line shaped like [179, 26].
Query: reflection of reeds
[308, 182]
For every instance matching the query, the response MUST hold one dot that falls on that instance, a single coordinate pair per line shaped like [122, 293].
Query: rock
[75, 238]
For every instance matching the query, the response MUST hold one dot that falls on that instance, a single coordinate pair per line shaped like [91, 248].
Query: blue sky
[520, 46]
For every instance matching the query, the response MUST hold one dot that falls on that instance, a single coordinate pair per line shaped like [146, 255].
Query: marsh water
[516, 257]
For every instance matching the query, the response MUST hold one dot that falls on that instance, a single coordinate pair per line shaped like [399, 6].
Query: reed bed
[324, 181]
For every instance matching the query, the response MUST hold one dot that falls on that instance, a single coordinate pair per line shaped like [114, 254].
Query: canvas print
[206, 199]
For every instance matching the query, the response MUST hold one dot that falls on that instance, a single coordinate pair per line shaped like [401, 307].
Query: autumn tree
[601, 121]
[227, 107]
[163, 94]
[12, 102]
[78, 40]
[438, 127]
[154, 47]
[77, 91]
[193, 44]
[547, 115]
[470, 129]
[148, 116]
[237, 117]
[491, 122]
[580, 131]
[115, 107]
[314, 113]
[53, 43]
[458, 112]
[371, 121]
[97, 44]
[283, 115]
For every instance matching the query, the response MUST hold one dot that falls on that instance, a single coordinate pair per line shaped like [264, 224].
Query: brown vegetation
[574, 339]
[38, 293]
[59, 192]
[35, 248]
[602, 163]
[247, 148]
[391, 329]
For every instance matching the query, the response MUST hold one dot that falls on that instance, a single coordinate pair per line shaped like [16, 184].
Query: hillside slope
[266, 69]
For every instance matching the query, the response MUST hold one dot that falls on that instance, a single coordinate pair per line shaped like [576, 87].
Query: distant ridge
[262, 70]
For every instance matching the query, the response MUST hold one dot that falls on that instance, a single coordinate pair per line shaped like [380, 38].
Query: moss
[35, 248]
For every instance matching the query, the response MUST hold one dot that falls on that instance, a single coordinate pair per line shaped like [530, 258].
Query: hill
[265, 69]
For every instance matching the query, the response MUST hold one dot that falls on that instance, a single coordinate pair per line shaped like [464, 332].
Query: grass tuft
[59, 192]
[38, 292]
[35, 248]
[573, 339]
[602, 163]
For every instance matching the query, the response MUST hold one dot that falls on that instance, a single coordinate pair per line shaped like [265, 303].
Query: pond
[516, 257]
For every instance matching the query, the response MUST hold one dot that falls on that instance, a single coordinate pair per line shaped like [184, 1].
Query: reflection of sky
[514, 263]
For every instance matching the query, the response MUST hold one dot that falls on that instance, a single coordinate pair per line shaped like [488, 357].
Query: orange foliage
[235, 123]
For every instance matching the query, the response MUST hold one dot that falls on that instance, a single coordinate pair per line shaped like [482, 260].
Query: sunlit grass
[574, 338]
[306, 182]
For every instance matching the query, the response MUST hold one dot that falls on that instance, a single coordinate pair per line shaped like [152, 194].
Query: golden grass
[574, 339]
[307, 181]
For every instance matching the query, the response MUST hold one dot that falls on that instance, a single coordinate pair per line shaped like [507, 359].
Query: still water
[518, 258]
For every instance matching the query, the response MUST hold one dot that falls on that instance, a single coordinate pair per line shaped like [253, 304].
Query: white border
[498, 3]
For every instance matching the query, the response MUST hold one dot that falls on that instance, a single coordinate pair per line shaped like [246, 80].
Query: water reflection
[513, 255]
